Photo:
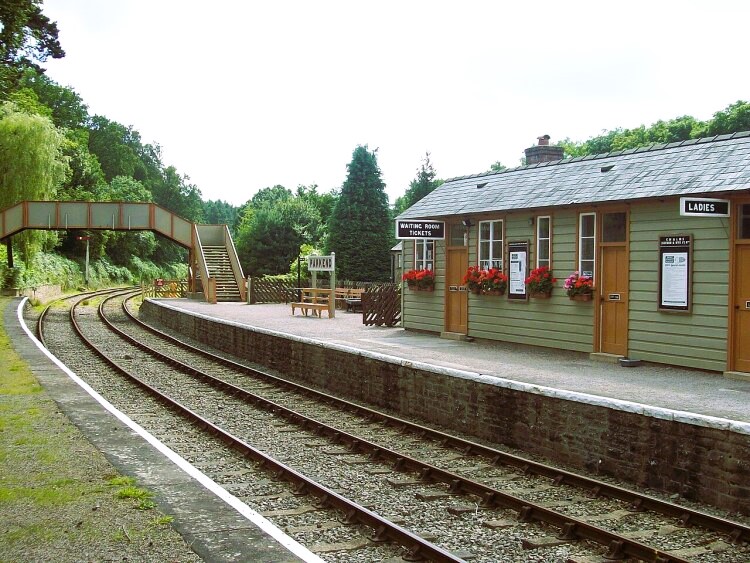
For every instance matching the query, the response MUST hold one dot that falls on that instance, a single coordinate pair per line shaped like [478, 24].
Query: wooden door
[456, 300]
[613, 321]
[741, 324]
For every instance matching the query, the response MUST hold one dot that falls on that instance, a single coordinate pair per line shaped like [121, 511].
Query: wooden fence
[276, 291]
[165, 288]
[271, 291]
[381, 305]
[381, 302]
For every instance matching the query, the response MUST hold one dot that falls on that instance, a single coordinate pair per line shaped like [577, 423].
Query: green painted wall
[557, 322]
[697, 339]
[423, 310]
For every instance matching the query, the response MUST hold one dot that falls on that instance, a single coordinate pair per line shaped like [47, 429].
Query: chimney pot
[543, 140]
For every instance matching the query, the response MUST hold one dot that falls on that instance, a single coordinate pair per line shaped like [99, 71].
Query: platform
[216, 525]
[667, 387]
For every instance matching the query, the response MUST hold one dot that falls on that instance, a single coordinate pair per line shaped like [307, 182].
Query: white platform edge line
[265, 525]
[589, 399]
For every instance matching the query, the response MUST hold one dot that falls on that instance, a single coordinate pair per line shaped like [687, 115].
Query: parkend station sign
[427, 229]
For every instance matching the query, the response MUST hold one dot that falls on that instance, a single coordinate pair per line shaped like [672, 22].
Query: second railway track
[466, 500]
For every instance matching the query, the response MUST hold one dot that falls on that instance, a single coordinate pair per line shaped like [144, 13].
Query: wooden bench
[353, 305]
[316, 308]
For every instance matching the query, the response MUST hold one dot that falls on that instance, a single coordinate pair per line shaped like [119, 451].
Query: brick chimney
[543, 152]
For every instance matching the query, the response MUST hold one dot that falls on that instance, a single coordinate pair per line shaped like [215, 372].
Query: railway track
[468, 501]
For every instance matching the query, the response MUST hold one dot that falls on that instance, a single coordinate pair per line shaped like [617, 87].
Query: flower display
[576, 284]
[419, 279]
[540, 281]
[473, 279]
[492, 281]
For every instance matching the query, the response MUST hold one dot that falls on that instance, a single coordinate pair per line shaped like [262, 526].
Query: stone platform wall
[699, 458]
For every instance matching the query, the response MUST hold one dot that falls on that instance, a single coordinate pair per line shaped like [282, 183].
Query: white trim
[491, 258]
[421, 263]
[580, 238]
[549, 240]
[250, 514]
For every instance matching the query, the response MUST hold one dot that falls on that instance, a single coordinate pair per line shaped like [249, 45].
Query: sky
[243, 95]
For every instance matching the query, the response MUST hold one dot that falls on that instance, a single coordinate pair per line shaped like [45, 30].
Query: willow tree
[31, 163]
[360, 231]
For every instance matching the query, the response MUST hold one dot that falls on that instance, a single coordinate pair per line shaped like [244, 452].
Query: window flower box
[578, 287]
[485, 282]
[540, 283]
[420, 280]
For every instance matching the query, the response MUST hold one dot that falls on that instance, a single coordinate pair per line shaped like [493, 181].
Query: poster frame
[518, 246]
[680, 244]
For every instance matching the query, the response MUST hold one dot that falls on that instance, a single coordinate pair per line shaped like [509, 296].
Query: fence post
[332, 298]
[250, 296]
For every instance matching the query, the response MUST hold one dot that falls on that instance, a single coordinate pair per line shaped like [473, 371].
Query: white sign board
[321, 263]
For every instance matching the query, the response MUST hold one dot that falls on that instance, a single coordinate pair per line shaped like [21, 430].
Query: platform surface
[676, 388]
[215, 529]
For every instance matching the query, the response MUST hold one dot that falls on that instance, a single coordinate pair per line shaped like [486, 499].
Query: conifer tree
[360, 229]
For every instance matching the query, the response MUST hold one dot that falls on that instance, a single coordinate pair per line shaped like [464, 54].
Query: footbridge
[215, 273]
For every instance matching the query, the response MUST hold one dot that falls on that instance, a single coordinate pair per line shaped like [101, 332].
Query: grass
[59, 497]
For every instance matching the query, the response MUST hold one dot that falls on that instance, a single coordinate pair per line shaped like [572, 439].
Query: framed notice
[675, 272]
[518, 265]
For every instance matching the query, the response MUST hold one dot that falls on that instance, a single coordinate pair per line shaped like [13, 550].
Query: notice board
[675, 272]
[518, 265]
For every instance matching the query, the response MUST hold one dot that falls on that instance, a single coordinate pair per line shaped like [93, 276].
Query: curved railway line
[352, 483]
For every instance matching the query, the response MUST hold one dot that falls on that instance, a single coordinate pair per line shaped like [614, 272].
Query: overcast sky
[242, 95]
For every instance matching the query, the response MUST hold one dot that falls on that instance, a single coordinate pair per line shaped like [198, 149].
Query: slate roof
[698, 166]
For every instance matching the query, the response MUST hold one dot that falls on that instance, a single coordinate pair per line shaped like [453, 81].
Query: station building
[664, 231]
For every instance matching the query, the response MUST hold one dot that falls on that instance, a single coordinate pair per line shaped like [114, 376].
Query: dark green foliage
[360, 231]
[423, 184]
[270, 196]
[67, 107]
[324, 203]
[220, 213]
[270, 236]
[735, 118]
[27, 36]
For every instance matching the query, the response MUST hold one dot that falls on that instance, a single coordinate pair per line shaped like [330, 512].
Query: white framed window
[544, 241]
[587, 244]
[424, 254]
[491, 244]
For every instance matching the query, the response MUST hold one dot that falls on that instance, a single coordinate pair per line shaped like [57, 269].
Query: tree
[497, 166]
[31, 161]
[270, 236]
[66, 106]
[26, 37]
[220, 212]
[116, 147]
[31, 166]
[360, 231]
[731, 120]
[324, 203]
[121, 246]
[424, 183]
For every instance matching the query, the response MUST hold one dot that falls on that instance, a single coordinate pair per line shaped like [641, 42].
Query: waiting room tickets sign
[420, 229]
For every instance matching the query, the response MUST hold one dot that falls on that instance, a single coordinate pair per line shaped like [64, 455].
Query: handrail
[205, 276]
[239, 277]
